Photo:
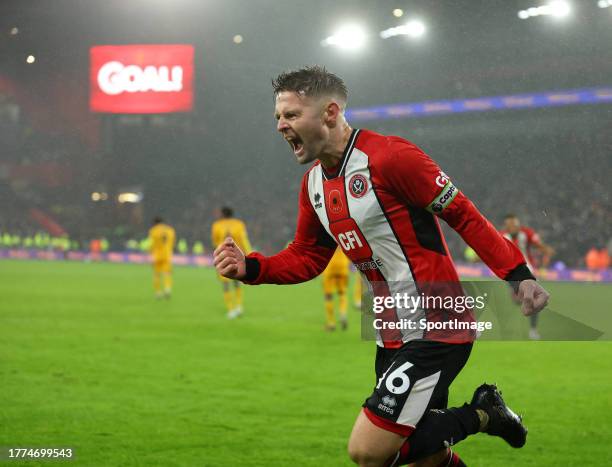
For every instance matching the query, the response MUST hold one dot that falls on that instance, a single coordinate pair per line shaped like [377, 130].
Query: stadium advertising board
[141, 78]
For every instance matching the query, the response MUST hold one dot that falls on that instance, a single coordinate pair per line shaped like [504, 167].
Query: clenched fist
[230, 260]
[533, 297]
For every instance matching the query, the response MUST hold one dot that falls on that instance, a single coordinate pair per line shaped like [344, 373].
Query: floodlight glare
[414, 29]
[349, 37]
[30, 59]
[559, 8]
[398, 12]
[238, 39]
[556, 8]
[129, 197]
[604, 3]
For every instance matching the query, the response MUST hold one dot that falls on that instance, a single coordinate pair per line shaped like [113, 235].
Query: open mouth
[296, 144]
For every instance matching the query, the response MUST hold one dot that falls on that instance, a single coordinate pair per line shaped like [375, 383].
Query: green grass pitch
[89, 360]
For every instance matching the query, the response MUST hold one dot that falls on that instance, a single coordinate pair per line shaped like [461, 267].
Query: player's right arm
[303, 259]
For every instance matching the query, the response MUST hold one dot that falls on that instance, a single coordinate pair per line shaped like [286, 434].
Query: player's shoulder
[387, 148]
[306, 177]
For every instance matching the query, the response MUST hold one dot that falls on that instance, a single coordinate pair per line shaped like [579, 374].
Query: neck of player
[331, 155]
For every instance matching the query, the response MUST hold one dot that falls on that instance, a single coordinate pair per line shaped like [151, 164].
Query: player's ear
[332, 111]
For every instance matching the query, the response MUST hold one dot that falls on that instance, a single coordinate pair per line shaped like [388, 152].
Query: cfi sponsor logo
[358, 186]
[115, 78]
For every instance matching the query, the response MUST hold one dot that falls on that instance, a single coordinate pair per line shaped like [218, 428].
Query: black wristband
[518, 274]
[252, 269]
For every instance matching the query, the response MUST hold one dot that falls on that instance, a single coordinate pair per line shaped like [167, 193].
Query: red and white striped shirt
[381, 207]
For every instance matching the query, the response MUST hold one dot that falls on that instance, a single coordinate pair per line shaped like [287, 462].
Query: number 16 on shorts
[403, 393]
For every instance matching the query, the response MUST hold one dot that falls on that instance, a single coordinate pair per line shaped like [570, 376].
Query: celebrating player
[161, 241]
[335, 280]
[527, 240]
[229, 226]
[379, 198]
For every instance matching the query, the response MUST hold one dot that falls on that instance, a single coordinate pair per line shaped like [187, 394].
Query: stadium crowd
[548, 181]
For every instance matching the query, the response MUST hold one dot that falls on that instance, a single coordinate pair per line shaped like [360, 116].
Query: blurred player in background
[527, 240]
[335, 280]
[229, 226]
[161, 240]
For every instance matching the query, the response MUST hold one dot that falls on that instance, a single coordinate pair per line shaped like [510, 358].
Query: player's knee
[365, 455]
[360, 456]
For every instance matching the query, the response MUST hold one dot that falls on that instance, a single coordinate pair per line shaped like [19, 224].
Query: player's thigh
[328, 284]
[341, 283]
[371, 445]
[412, 380]
[158, 266]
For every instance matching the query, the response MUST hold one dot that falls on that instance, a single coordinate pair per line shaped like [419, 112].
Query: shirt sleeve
[303, 259]
[418, 179]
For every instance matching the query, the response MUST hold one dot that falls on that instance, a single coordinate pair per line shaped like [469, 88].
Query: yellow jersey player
[229, 226]
[335, 279]
[161, 240]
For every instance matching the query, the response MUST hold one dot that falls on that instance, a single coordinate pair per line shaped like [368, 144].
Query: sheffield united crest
[358, 186]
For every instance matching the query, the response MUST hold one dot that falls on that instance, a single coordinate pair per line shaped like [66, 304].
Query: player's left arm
[419, 179]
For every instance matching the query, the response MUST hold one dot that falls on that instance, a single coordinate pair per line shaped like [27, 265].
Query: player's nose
[281, 125]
